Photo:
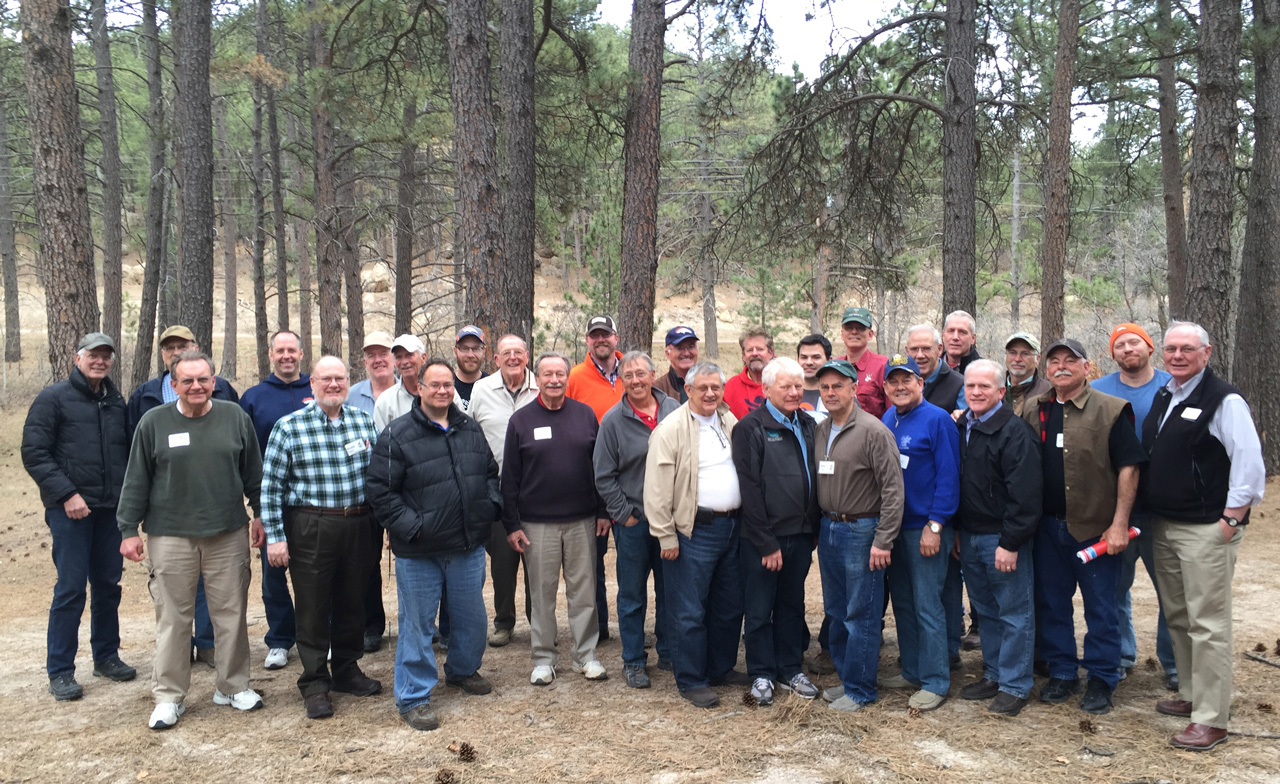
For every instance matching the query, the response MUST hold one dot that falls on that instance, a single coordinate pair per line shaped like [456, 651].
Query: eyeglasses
[436, 386]
[203, 381]
[635, 375]
[1019, 354]
[1171, 350]
[325, 381]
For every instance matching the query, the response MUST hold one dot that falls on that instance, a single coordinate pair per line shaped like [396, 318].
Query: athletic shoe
[762, 691]
[801, 686]
[592, 670]
[277, 658]
[246, 700]
[166, 715]
[542, 675]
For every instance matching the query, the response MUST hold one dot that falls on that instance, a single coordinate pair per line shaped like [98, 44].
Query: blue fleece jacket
[930, 448]
[267, 402]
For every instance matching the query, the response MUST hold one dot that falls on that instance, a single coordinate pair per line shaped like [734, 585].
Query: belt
[841, 518]
[337, 511]
[705, 515]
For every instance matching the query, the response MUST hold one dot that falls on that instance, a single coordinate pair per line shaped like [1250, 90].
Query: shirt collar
[783, 419]
[1181, 391]
[977, 420]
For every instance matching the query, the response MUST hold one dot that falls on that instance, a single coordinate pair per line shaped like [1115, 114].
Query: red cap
[1128, 328]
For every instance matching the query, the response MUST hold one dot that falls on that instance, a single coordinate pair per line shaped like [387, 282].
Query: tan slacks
[1194, 567]
[175, 566]
[553, 547]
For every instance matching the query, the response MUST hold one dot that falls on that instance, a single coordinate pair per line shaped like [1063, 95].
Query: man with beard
[468, 355]
[682, 354]
[857, 331]
[1023, 380]
[744, 393]
[379, 371]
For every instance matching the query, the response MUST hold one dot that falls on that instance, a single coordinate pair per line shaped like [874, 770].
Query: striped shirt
[314, 461]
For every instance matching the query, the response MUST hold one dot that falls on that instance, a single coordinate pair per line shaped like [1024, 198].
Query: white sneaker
[277, 658]
[542, 675]
[592, 670]
[166, 715]
[246, 700]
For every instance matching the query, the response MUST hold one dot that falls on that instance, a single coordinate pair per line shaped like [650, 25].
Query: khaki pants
[1194, 567]
[571, 546]
[176, 564]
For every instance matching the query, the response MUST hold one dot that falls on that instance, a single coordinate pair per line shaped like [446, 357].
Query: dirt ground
[580, 731]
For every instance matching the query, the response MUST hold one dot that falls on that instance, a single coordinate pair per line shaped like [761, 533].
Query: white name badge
[1059, 440]
[1191, 413]
[903, 460]
[356, 447]
[826, 467]
[179, 439]
[541, 433]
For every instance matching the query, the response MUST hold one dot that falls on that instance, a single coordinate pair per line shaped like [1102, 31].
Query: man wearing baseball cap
[1137, 381]
[682, 354]
[410, 355]
[1022, 361]
[468, 355]
[379, 371]
[857, 330]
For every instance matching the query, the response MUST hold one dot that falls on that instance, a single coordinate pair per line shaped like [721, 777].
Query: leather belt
[705, 515]
[337, 511]
[841, 518]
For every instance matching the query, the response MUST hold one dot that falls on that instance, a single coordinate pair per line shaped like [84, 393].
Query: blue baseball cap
[677, 335]
[899, 362]
[470, 330]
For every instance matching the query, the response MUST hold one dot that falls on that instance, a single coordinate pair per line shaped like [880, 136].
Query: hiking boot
[114, 669]
[637, 676]
[372, 642]
[64, 687]
[499, 638]
[821, 664]
[475, 683]
[1097, 697]
[1059, 689]
[421, 718]
[318, 706]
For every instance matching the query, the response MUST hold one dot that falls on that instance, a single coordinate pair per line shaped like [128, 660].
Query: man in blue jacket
[284, 391]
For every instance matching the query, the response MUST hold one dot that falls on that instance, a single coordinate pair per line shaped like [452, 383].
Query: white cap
[410, 343]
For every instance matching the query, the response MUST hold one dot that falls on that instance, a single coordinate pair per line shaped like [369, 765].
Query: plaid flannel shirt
[308, 463]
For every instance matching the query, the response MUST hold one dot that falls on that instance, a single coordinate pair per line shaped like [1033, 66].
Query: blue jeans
[1141, 547]
[1005, 603]
[281, 626]
[85, 551]
[203, 637]
[953, 605]
[639, 554]
[774, 628]
[1058, 573]
[419, 583]
[853, 595]
[704, 584]
[915, 585]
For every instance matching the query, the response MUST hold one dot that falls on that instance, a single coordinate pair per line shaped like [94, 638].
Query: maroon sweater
[547, 471]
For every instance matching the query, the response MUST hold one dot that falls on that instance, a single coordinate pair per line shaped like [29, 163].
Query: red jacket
[743, 395]
[870, 390]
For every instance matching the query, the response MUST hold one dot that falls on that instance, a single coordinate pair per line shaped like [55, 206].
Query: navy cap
[470, 330]
[678, 335]
[899, 362]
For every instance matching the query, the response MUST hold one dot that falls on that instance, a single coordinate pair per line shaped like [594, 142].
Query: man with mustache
[744, 393]
[682, 354]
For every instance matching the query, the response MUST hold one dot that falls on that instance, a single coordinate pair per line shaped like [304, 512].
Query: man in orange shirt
[744, 393]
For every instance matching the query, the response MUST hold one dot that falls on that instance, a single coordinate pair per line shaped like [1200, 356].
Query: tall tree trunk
[8, 249]
[959, 161]
[405, 189]
[1015, 236]
[1057, 178]
[227, 223]
[641, 150]
[258, 268]
[708, 262]
[61, 192]
[328, 245]
[301, 245]
[192, 32]
[1175, 219]
[1258, 321]
[277, 176]
[515, 90]
[1213, 172]
[351, 266]
[112, 185]
[478, 241]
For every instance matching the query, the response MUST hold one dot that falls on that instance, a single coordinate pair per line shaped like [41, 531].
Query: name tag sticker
[356, 447]
[826, 467]
[903, 460]
[1059, 442]
[1191, 413]
[541, 433]
[179, 439]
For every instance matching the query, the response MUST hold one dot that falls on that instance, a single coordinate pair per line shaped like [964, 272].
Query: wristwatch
[1231, 521]
[937, 529]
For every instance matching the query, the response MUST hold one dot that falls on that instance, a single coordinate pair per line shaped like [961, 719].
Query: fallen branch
[1259, 658]
[723, 716]
[1263, 735]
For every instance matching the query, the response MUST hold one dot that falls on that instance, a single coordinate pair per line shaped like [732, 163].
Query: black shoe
[64, 687]
[114, 669]
[1059, 689]
[956, 664]
[318, 706]
[604, 634]
[372, 642]
[734, 678]
[982, 690]
[1097, 697]
[475, 683]
[701, 698]
[666, 666]
[1171, 682]
[1007, 705]
[205, 657]
[360, 686]
[637, 677]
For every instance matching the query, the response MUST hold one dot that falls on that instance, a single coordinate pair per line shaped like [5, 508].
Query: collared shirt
[1232, 425]
[361, 396]
[167, 393]
[611, 377]
[971, 421]
[395, 402]
[792, 425]
[312, 460]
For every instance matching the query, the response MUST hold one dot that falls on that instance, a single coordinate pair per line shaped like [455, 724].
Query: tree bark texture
[1057, 177]
[258, 269]
[1175, 218]
[641, 151]
[262, 20]
[227, 226]
[328, 246]
[193, 29]
[351, 265]
[8, 249]
[1213, 152]
[515, 90]
[405, 190]
[112, 185]
[61, 192]
[478, 241]
[301, 245]
[959, 161]
[1258, 320]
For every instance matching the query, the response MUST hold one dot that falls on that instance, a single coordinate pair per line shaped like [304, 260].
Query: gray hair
[964, 314]
[636, 356]
[931, 329]
[703, 369]
[192, 355]
[1200, 331]
[780, 366]
[986, 364]
[537, 363]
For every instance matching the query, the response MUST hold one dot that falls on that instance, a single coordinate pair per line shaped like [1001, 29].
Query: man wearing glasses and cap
[682, 354]
[1022, 361]
[379, 371]
[857, 331]
[468, 355]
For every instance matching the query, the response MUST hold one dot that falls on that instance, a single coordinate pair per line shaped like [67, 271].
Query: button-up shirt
[1232, 425]
[312, 460]
[971, 421]
[790, 423]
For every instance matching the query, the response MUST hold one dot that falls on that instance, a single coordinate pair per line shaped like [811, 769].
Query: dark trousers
[329, 561]
[375, 616]
[774, 627]
[602, 596]
[704, 592]
[504, 565]
[85, 551]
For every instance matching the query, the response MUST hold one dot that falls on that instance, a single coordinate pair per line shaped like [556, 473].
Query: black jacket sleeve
[39, 448]
[385, 489]
[748, 460]
[1020, 464]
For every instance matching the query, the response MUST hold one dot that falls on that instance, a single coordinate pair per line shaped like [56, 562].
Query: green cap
[1025, 337]
[860, 315]
[841, 366]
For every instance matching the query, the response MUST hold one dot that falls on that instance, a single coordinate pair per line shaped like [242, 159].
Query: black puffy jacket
[436, 491]
[76, 440]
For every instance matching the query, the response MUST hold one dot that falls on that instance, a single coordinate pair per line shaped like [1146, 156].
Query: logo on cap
[677, 335]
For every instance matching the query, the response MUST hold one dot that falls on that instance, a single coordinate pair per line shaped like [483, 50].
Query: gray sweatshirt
[622, 446]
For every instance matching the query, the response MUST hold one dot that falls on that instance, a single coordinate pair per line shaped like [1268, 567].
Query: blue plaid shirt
[313, 461]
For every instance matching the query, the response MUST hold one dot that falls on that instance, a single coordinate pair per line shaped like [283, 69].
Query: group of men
[911, 475]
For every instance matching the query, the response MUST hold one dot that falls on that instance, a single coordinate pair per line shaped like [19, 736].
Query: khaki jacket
[671, 474]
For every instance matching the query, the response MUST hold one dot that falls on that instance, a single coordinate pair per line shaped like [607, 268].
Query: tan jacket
[492, 406]
[671, 474]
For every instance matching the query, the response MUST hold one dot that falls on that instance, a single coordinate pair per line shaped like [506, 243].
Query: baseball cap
[678, 335]
[378, 338]
[601, 322]
[96, 340]
[841, 366]
[1129, 328]
[177, 331]
[1025, 337]
[410, 343]
[899, 362]
[470, 330]
[859, 315]
[1070, 345]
